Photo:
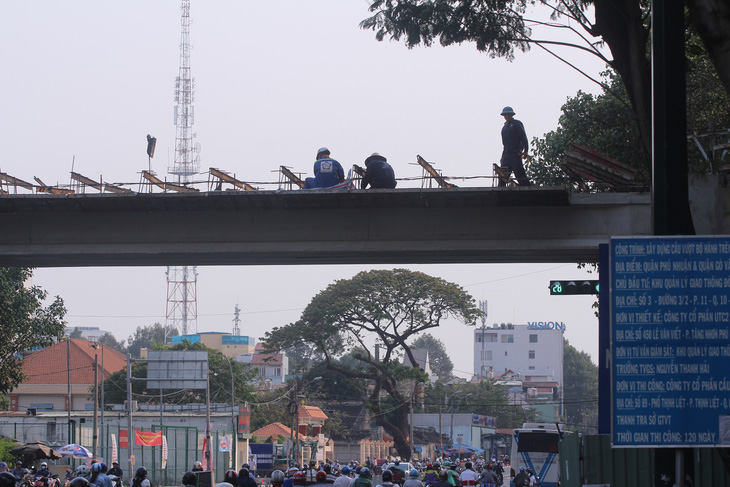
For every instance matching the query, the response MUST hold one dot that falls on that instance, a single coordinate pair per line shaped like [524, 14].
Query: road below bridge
[402, 226]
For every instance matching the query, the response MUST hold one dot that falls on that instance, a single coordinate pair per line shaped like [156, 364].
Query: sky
[85, 82]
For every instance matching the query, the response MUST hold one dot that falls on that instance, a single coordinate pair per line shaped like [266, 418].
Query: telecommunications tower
[182, 296]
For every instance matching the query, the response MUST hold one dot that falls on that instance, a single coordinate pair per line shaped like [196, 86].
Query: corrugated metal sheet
[602, 465]
[569, 450]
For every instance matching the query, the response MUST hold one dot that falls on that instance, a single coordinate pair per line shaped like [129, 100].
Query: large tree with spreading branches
[500, 27]
[372, 317]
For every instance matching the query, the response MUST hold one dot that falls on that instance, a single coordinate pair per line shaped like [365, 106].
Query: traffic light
[565, 288]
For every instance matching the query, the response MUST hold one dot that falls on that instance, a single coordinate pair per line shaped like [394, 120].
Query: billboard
[670, 341]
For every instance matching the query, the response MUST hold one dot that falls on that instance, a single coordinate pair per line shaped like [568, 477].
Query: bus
[535, 446]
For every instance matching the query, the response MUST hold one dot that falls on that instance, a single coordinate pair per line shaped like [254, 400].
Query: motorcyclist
[245, 480]
[363, 479]
[277, 478]
[387, 479]
[79, 482]
[140, 478]
[82, 471]
[4, 467]
[522, 479]
[231, 477]
[489, 476]
[189, 479]
[18, 472]
[7, 479]
[413, 480]
[116, 471]
[344, 479]
[43, 473]
[468, 476]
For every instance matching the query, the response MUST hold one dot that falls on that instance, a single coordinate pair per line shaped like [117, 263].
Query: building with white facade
[531, 355]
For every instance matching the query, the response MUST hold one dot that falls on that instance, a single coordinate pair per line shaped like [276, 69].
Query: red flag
[148, 438]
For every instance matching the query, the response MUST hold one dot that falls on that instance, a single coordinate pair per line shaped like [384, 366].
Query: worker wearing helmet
[514, 140]
[378, 173]
[327, 171]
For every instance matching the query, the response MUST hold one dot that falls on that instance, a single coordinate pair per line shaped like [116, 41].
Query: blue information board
[670, 341]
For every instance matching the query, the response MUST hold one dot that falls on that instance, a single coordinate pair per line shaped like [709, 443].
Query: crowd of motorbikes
[29, 477]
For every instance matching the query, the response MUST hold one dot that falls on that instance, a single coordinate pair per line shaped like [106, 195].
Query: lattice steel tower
[182, 295]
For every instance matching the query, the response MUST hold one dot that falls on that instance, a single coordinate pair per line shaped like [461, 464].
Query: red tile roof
[311, 412]
[273, 429]
[272, 359]
[48, 366]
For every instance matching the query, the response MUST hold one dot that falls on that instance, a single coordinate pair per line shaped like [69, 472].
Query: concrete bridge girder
[458, 225]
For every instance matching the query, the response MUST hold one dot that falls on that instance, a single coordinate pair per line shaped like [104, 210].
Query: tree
[603, 123]
[441, 364]
[110, 341]
[389, 308]
[580, 395]
[24, 322]
[77, 333]
[149, 337]
[499, 28]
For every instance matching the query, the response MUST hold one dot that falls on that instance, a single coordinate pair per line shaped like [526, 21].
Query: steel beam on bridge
[403, 226]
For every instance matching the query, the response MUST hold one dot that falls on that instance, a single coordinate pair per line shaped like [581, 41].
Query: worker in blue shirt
[379, 174]
[327, 171]
[514, 140]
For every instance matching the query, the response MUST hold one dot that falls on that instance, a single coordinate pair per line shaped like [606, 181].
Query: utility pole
[130, 432]
[68, 392]
[95, 434]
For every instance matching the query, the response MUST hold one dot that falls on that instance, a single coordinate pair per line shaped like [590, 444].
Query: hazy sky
[84, 82]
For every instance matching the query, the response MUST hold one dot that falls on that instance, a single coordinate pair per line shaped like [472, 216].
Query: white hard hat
[323, 149]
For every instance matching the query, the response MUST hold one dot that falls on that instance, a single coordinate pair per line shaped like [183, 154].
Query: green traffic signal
[565, 288]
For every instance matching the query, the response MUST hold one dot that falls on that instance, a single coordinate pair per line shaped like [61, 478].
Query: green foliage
[270, 407]
[7, 444]
[441, 363]
[77, 333]
[484, 397]
[107, 339]
[497, 28]
[389, 308]
[333, 385]
[24, 323]
[581, 390]
[149, 337]
[603, 123]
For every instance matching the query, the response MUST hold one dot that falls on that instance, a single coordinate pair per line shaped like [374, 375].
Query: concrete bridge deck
[404, 226]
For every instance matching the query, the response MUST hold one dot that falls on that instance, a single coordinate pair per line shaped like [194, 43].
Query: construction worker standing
[514, 140]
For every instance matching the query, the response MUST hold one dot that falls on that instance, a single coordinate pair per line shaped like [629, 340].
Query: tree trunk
[620, 23]
[711, 18]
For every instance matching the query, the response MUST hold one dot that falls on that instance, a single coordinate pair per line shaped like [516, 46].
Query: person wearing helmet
[18, 472]
[344, 479]
[197, 466]
[327, 171]
[140, 478]
[300, 477]
[277, 478]
[468, 476]
[522, 479]
[189, 479]
[387, 479]
[244, 478]
[363, 479]
[98, 477]
[443, 480]
[514, 140]
[7, 479]
[430, 475]
[231, 476]
[399, 474]
[83, 471]
[489, 478]
[378, 173]
[115, 471]
[4, 467]
[43, 471]
[79, 482]
[413, 479]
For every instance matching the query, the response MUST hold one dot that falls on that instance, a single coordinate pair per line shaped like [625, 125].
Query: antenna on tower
[182, 294]
[236, 320]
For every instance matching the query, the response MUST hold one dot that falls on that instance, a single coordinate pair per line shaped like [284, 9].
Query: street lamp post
[233, 412]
